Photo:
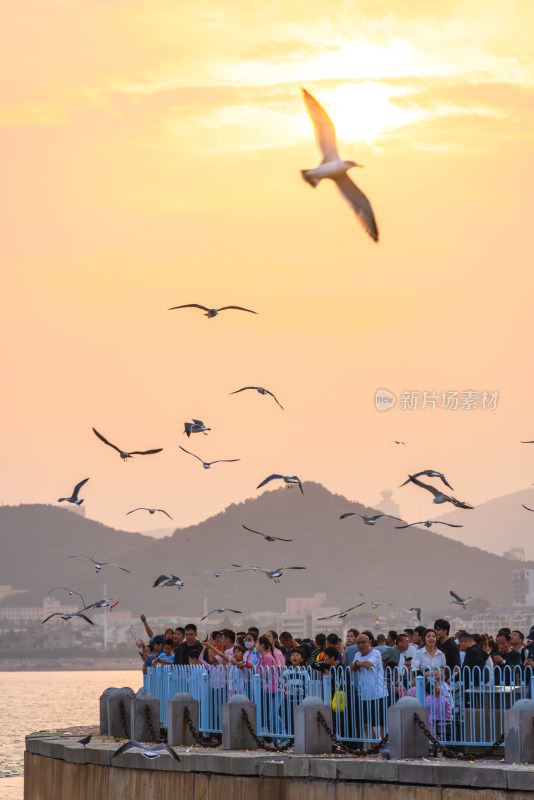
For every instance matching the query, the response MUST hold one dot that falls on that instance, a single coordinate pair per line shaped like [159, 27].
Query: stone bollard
[406, 739]
[104, 723]
[235, 734]
[519, 733]
[119, 718]
[310, 736]
[178, 732]
[144, 717]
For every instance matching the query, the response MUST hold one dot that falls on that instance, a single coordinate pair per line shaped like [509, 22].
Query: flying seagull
[374, 605]
[165, 580]
[439, 497]
[528, 509]
[100, 564]
[369, 520]
[101, 604]
[207, 464]
[220, 611]
[70, 591]
[427, 523]
[148, 751]
[531, 441]
[68, 616]
[342, 614]
[259, 389]
[212, 312]
[74, 496]
[215, 574]
[197, 426]
[123, 454]
[150, 511]
[334, 168]
[266, 536]
[288, 479]
[418, 611]
[459, 601]
[430, 473]
[274, 574]
[394, 441]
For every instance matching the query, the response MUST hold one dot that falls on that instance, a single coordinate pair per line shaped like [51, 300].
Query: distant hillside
[343, 557]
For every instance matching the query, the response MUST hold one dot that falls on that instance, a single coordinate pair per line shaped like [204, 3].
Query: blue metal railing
[466, 708]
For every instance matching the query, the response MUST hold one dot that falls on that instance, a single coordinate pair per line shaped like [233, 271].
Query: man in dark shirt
[448, 646]
[506, 657]
[474, 657]
[191, 647]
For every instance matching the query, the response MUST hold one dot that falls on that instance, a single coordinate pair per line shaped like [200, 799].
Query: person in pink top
[267, 668]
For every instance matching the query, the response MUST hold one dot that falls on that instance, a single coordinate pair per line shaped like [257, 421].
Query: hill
[342, 557]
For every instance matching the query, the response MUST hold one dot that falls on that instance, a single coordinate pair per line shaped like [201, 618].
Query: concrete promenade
[57, 768]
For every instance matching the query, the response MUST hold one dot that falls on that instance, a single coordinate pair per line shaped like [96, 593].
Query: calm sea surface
[33, 701]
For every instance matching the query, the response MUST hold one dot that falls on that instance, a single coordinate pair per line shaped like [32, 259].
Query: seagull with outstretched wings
[259, 389]
[459, 601]
[70, 591]
[165, 580]
[428, 523]
[207, 464]
[334, 168]
[212, 312]
[430, 473]
[74, 496]
[369, 520]
[273, 574]
[289, 480]
[220, 611]
[146, 750]
[267, 536]
[374, 605]
[123, 454]
[68, 616]
[100, 564]
[342, 614]
[150, 511]
[439, 497]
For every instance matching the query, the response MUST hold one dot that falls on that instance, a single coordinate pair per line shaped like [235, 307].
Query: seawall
[57, 768]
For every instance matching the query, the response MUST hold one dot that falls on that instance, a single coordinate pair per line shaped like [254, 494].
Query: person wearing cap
[156, 646]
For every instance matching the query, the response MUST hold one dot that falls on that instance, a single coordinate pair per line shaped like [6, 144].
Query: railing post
[119, 715]
[327, 688]
[310, 736]
[519, 733]
[178, 732]
[144, 717]
[235, 733]
[204, 701]
[420, 689]
[405, 737]
[257, 681]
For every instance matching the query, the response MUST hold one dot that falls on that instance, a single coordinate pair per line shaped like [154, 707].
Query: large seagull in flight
[333, 167]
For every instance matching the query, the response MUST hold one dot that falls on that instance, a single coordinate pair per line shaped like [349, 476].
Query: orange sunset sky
[151, 157]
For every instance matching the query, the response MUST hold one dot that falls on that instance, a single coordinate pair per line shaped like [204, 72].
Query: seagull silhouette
[374, 605]
[259, 389]
[334, 168]
[207, 464]
[528, 509]
[165, 580]
[101, 604]
[427, 523]
[148, 751]
[197, 426]
[288, 479]
[418, 611]
[123, 454]
[273, 574]
[70, 591]
[394, 441]
[220, 611]
[430, 473]
[68, 616]
[74, 496]
[216, 574]
[369, 520]
[150, 511]
[439, 497]
[342, 614]
[266, 536]
[459, 601]
[212, 312]
[100, 564]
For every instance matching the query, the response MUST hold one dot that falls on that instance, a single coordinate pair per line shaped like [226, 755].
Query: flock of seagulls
[333, 168]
